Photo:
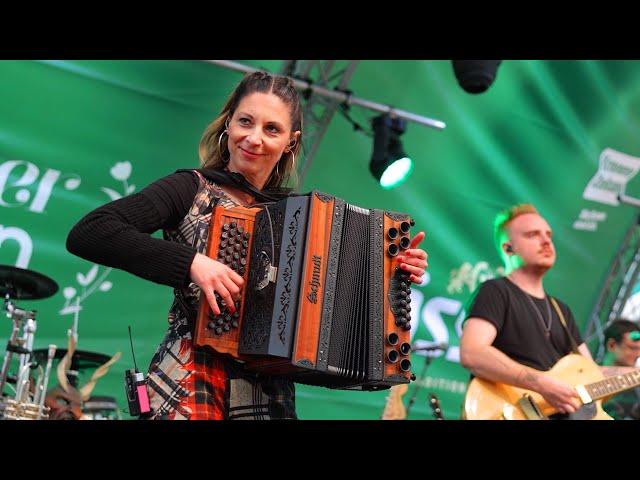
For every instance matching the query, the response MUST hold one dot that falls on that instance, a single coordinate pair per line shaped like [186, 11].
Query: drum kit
[30, 399]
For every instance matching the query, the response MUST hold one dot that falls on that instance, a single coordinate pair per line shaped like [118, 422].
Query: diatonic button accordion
[324, 301]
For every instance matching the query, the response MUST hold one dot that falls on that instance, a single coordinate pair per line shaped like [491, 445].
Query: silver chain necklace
[546, 327]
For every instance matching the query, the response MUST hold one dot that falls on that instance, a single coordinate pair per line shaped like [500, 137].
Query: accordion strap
[237, 180]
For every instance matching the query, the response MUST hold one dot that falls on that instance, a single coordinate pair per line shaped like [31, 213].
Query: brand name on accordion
[315, 280]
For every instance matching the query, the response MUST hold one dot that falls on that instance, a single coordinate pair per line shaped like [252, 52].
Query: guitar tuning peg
[413, 377]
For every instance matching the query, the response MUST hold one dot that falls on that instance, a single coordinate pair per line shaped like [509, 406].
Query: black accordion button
[234, 324]
[225, 227]
[246, 235]
[234, 224]
[240, 229]
[243, 261]
[211, 325]
[226, 327]
[224, 235]
[218, 330]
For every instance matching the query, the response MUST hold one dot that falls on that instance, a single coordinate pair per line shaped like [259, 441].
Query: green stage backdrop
[560, 134]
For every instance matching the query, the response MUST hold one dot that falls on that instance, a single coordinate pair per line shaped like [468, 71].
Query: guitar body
[487, 400]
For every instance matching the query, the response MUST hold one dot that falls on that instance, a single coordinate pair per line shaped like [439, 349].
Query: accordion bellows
[324, 302]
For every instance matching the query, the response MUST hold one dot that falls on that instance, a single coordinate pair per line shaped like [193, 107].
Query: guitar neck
[613, 385]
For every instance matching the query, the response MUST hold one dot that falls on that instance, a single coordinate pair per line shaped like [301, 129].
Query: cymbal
[22, 284]
[81, 360]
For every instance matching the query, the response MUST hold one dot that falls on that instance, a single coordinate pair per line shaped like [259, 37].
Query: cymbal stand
[16, 345]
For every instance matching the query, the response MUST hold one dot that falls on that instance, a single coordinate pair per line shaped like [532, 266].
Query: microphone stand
[427, 362]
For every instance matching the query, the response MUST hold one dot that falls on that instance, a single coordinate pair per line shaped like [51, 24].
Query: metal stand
[427, 361]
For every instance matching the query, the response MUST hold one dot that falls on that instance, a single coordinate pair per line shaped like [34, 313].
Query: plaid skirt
[197, 383]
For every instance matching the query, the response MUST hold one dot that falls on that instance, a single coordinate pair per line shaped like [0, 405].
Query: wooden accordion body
[324, 302]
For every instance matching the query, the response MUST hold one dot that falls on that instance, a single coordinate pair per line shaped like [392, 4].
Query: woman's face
[259, 133]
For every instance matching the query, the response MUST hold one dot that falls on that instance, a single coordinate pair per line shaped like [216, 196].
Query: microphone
[444, 346]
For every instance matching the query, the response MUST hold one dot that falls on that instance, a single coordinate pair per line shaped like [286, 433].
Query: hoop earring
[220, 147]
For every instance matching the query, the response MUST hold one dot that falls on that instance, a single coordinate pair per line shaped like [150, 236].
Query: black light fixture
[389, 164]
[475, 76]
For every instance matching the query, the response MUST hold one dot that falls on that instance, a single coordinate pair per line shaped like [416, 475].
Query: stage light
[389, 164]
[475, 76]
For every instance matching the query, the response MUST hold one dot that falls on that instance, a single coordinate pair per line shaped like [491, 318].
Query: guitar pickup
[530, 408]
[582, 393]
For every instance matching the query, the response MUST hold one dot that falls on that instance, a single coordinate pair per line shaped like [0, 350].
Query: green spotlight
[389, 164]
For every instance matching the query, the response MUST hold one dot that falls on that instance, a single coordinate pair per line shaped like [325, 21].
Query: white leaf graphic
[72, 183]
[81, 279]
[131, 189]
[121, 171]
[106, 286]
[69, 292]
[70, 309]
[91, 275]
[113, 195]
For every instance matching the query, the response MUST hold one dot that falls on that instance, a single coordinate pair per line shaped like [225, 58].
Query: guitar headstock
[394, 408]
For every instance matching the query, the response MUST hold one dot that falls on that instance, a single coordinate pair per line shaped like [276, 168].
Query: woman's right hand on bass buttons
[215, 277]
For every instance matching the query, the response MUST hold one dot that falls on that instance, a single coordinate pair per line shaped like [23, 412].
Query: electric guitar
[487, 400]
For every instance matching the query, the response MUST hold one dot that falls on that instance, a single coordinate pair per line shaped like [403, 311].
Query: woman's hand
[212, 276]
[414, 260]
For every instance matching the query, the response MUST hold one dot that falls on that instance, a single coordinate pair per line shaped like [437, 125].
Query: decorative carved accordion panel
[324, 302]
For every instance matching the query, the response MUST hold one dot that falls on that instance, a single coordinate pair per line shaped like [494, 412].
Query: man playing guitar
[514, 332]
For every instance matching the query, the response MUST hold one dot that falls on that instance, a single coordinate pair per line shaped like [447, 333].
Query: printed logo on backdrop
[435, 314]
[471, 276]
[615, 170]
[18, 179]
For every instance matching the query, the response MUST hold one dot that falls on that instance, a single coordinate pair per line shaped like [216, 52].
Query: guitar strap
[574, 346]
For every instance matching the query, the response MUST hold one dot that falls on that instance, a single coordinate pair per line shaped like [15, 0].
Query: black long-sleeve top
[118, 234]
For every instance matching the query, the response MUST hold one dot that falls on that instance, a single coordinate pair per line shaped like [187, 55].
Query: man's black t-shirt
[521, 335]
